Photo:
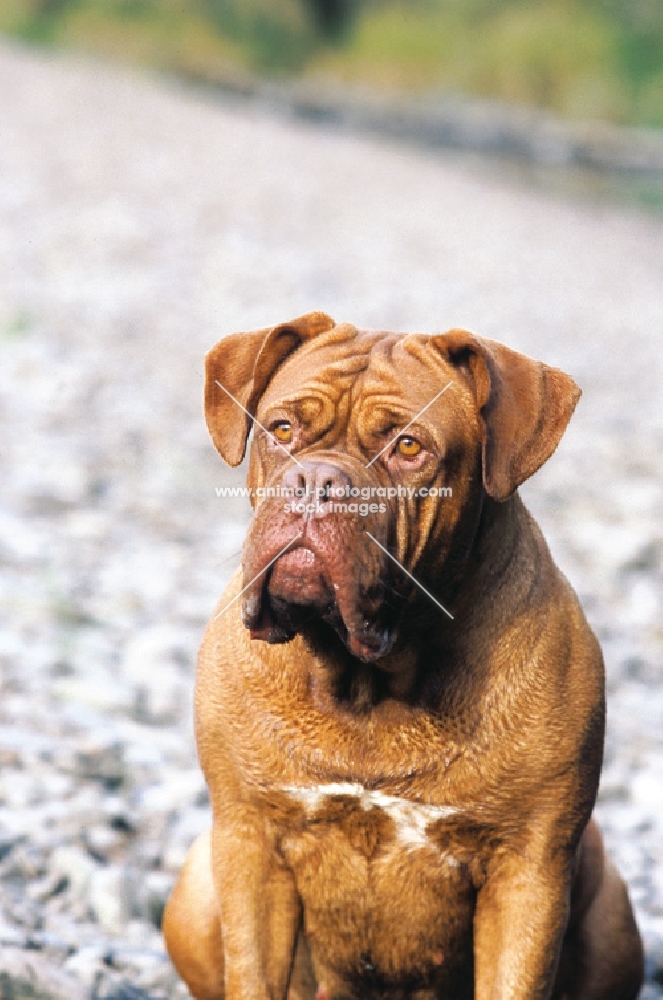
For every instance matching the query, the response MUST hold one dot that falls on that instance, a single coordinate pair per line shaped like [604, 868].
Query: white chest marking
[410, 818]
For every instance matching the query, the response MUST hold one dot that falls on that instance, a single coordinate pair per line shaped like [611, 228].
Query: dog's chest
[400, 823]
[382, 898]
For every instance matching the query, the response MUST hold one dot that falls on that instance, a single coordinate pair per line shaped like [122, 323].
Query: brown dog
[401, 798]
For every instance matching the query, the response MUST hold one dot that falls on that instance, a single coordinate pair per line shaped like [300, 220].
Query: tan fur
[401, 801]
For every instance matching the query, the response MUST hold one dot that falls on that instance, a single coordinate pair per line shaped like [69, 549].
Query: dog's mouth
[301, 577]
[311, 582]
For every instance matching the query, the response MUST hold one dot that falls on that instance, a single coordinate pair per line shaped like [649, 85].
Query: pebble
[157, 665]
[25, 975]
[108, 898]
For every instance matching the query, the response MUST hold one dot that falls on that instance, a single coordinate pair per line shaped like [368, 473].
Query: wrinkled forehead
[361, 365]
[408, 367]
[328, 366]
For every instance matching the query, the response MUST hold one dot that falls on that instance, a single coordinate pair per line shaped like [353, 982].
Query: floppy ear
[238, 369]
[524, 406]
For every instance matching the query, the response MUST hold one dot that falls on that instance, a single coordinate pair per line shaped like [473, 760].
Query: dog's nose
[318, 481]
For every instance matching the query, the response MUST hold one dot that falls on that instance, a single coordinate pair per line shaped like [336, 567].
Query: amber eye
[283, 432]
[408, 447]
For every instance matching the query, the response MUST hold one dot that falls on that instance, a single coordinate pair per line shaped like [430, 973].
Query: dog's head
[371, 459]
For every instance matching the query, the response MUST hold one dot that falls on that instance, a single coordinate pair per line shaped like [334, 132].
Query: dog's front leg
[520, 919]
[260, 909]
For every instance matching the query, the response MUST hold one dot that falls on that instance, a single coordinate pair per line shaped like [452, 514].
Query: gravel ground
[140, 222]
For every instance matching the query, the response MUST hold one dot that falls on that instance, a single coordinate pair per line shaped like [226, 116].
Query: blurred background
[579, 58]
[174, 171]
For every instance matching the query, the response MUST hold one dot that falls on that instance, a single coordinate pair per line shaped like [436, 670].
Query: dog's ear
[524, 406]
[237, 371]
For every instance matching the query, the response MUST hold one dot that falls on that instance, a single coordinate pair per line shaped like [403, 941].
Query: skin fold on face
[360, 422]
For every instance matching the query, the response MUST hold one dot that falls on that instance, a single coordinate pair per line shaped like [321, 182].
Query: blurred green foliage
[581, 58]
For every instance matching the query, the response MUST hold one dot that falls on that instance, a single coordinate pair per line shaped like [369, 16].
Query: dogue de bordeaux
[399, 703]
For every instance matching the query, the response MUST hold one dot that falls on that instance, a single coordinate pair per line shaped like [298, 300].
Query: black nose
[317, 481]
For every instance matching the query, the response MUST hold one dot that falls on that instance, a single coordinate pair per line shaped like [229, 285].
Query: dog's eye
[408, 447]
[283, 432]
